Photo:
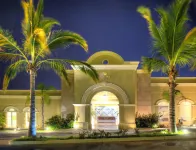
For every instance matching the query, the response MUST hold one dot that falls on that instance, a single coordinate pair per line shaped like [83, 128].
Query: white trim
[25, 96]
[116, 67]
[81, 104]
[109, 86]
[159, 84]
[113, 67]
[127, 105]
[6, 109]
[179, 84]
[105, 104]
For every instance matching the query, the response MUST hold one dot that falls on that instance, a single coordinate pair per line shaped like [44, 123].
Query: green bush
[57, 122]
[2, 121]
[146, 121]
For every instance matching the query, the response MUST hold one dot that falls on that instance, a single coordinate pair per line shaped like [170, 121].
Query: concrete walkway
[144, 145]
[11, 134]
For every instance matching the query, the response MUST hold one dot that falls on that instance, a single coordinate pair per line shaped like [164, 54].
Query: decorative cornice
[130, 66]
[179, 84]
[25, 96]
[81, 104]
[133, 105]
[116, 67]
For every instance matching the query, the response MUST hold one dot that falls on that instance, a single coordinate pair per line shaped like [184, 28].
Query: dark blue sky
[106, 25]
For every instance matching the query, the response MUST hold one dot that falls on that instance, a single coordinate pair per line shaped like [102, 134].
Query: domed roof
[105, 57]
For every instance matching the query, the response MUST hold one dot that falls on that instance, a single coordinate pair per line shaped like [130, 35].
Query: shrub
[137, 132]
[2, 121]
[146, 121]
[57, 122]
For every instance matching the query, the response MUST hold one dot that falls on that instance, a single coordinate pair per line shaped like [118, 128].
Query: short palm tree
[38, 44]
[173, 47]
[45, 98]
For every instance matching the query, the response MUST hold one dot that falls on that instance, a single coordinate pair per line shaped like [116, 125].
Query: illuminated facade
[111, 103]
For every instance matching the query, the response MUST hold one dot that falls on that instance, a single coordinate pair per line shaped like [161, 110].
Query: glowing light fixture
[185, 131]
[76, 125]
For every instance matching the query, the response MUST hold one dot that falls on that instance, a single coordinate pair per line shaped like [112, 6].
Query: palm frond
[59, 39]
[8, 43]
[177, 19]
[12, 71]
[28, 21]
[47, 24]
[61, 65]
[41, 86]
[85, 68]
[38, 13]
[157, 34]
[187, 50]
[169, 35]
[57, 66]
[153, 64]
[47, 98]
[9, 56]
[40, 37]
[177, 93]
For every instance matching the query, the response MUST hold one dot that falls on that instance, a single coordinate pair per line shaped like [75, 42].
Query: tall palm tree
[37, 46]
[172, 47]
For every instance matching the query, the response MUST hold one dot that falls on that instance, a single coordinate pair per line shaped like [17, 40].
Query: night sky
[105, 24]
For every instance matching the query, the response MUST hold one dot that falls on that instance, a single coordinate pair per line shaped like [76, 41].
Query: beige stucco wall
[67, 95]
[17, 99]
[186, 85]
[125, 79]
[144, 103]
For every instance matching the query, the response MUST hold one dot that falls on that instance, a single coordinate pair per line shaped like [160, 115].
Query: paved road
[151, 145]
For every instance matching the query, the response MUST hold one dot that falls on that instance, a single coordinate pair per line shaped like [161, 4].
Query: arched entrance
[104, 99]
[105, 111]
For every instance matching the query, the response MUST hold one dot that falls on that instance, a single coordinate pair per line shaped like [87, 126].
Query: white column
[80, 120]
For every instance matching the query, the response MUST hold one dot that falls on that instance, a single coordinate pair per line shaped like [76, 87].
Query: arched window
[185, 114]
[163, 111]
[11, 117]
[26, 111]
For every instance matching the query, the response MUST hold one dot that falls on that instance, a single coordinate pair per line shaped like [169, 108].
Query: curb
[78, 141]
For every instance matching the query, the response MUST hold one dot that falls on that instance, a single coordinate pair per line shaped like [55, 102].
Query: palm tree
[166, 96]
[45, 98]
[172, 47]
[37, 46]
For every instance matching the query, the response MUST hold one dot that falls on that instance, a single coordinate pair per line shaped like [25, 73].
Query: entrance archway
[105, 111]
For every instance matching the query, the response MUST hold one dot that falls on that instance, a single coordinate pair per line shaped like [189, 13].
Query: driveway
[151, 145]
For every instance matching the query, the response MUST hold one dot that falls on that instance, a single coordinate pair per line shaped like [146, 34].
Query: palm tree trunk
[172, 86]
[32, 126]
[42, 113]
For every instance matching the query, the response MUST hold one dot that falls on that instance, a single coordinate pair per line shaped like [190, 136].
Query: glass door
[11, 119]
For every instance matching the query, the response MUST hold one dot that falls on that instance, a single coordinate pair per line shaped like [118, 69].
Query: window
[26, 111]
[186, 112]
[11, 117]
[163, 110]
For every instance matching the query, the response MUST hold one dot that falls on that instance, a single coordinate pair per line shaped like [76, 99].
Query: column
[80, 116]
[127, 116]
